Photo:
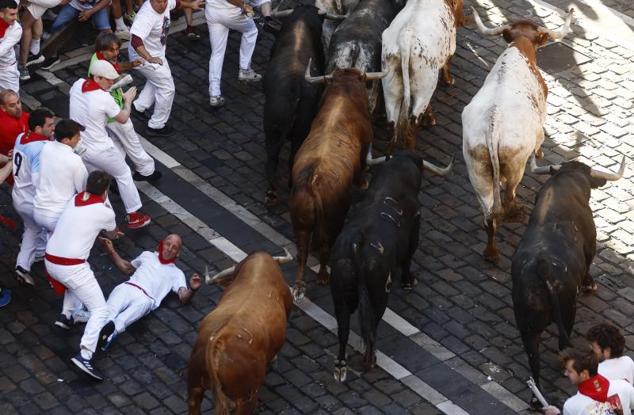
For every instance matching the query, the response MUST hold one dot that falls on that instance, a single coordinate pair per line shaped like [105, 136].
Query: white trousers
[127, 304]
[33, 238]
[10, 78]
[112, 162]
[159, 91]
[46, 219]
[127, 142]
[82, 288]
[37, 8]
[220, 21]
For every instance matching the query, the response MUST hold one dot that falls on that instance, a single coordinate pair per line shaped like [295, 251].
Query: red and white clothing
[618, 368]
[9, 37]
[62, 175]
[37, 8]
[153, 279]
[159, 90]
[26, 171]
[600, 396]
[91, 106]
[66, 257]
[10, 128]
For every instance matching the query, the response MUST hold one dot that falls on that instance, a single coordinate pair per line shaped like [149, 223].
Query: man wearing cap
[26, 173]
[62, 174]
[86, 215]
[153, 275]
[92, 105]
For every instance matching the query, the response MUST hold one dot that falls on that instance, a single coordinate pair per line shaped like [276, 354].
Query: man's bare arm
[186, 294]
[123, 265]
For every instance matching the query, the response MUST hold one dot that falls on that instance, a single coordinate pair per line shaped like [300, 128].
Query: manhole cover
[558, 57]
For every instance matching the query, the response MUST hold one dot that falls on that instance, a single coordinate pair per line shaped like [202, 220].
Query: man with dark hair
[608, 343]
[10, 34]
[62, 174]
[13, 120]
[85, 216]
[26, 172]
[596, 394]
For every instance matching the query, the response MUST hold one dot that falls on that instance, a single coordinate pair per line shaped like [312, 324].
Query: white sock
[85, 353]
[35, 46]
[120, 24]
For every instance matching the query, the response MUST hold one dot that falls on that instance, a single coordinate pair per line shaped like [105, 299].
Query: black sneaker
[35, 59]
[152, 177]
[65, 322]
[25, 75]
[105, 333]
[86, 366]
[24, 276]
[50, 62]
[161, 132]
[138, 114]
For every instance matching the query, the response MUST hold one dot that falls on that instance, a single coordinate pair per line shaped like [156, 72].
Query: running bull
[552, 262]
[416, 47]
[377, 242]
[238, 339]
[332, 158]
[503, 124]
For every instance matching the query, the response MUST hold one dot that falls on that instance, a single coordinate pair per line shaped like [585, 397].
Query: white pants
[220, 21]
[46, 219]
[127, 304]
[37, 8]
[10, 78]
[34, 237]
[112, 162]
[158, 90]
[82, 288]
[127, 142]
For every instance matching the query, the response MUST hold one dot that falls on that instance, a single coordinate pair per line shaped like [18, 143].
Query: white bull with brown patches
[503, 124]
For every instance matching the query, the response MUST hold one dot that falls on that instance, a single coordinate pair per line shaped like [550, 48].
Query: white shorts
[37, 8]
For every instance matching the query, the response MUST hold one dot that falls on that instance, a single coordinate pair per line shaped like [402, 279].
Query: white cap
[103, 69]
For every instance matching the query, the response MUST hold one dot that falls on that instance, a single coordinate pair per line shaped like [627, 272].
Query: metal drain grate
[559, 57]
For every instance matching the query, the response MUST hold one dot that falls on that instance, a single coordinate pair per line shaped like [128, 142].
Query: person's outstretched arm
[123, 265]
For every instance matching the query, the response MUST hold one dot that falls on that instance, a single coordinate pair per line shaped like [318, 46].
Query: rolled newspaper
[531, 384]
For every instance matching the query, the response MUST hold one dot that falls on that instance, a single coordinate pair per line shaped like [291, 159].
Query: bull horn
[563, 30]
[441, 171]
[535, 169]
[278, 6]
[373, 161]
[212, 280]
[598, 174]
[284, 259]
[485, 30]
[282, 13]
[371, 76]
[315, 79]
[332, 16]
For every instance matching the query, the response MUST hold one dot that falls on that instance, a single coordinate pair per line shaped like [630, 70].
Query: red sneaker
[138, 220]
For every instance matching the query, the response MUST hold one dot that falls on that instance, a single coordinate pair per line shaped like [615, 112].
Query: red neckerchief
[3, 27]
[595, 388]
[31, 137]
[116, 65]
[90, 85]
[85, 198]
[160, 255]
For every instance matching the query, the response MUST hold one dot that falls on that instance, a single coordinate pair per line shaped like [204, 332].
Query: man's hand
[551, 410]
[155, 59]
[10, 154]
[136, 62]
[248, 10]
[195, 282]
[64, 2]
[130, 94]
[197, 5]
[84, 15]
[107, 244]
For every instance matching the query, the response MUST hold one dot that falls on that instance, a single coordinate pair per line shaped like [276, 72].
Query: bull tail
[215, 349]
[306, 198]
[366, 313]
[492, 142]
[544, 270]
[403, 122]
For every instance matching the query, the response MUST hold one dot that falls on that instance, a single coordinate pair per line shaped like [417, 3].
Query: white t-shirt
[155, 278]
[619, 390]
[62, 174]
[152, 28]
[26, 166]
[83, 218]
[618, 368]
[92, 110]
[9, 37]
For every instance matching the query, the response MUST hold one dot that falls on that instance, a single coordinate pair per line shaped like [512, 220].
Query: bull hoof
[299, 291]
[369, 361]
[539, 154]
[449, 81]
[491, 255]
[514, 213]
[409, 285]
[341, 371]
[271, 198]
[323, 278]
[590, 288]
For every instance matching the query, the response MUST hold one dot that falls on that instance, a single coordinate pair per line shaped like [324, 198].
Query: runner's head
[606, 341]
[10, 102]
[67, 132]
[108, 44]
[579, 366]
[170, 248]
[103, 73]
[8, 11]
[42, 121]
[98, 183]
[159, 6]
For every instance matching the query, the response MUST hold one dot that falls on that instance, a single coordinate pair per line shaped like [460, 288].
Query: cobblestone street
[449, 345]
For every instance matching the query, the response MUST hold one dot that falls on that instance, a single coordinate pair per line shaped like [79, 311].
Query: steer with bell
[552, 262]
[503, 124]
[332, 158]
[238, 339]
[377, 243]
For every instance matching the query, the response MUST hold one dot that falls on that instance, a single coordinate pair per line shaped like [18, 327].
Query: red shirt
[10, 128]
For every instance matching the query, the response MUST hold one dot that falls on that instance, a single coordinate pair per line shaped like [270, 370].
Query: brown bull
[238, 339]
[331, 158]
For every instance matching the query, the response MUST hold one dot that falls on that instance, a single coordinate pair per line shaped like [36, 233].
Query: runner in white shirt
[148, 39]
[26, 171]
[62, 174]
[153, 275]
[10, 34]
[85, 216]
[92, 105]
[608, 345]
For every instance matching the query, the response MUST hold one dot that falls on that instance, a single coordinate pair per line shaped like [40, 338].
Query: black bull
[290, 102]
[376, 244]
[552, 262]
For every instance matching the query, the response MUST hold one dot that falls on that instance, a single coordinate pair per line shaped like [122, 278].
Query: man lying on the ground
[152, 276]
